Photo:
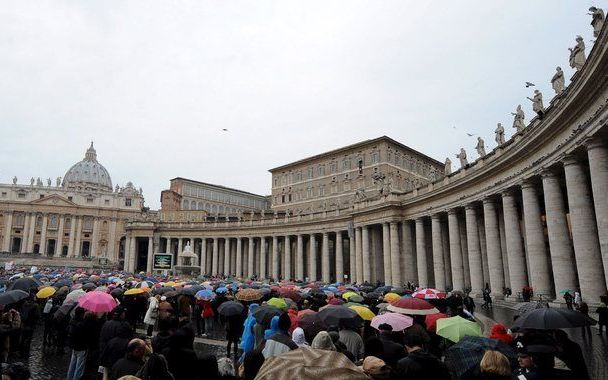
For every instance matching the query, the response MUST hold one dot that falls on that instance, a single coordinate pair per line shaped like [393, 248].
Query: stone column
[227, 270]
[359, 254]
[32, 232]
[339, 257]
[275, 258]
[312, 272]
[125, 264]
[263, 255]
[71, 241]
[455, 251]
[132, 254]
[465, 254]
[395, 256]
[299, 258]
[325, 275]
[445, 244]
[562, 255]
[503, 248]
[250, 259]
[95, 238]
[203, 262]
[386, 253]
[239, 257]
[535, 242]
[352, 255]
[287, 257]
[45, 222]
[584, 232]
[482, 246]
[367, 267]
[598, 167]
[496, 272]
[8, 229]
[215, 257]
[150, 254]
[59, 245]
[180, 247]
[168, 245]
[473, 246]
[438, 265]
[408, 259]
[26, 233]
[112, 240]
[516, 256]
[421, 254]
[77, 238]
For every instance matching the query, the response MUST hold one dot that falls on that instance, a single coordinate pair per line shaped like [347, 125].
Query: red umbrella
[412, 306]
[304, 312]
[428, 294]
[431, 321]
[335, 301]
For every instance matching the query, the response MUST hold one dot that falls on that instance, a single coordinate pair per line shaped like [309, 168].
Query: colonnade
[57, 234]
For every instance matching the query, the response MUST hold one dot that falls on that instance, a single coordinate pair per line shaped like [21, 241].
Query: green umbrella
[456, 328]
[564, 291]
[278, 303]
[356, 298]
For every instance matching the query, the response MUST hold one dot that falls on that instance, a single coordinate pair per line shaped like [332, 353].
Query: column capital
[594, 142]
[570, 160]
[508, 193]
[528, 183]
[488, 201]
[548, 173]
[470, 206]
[452, 211]
[436, 216]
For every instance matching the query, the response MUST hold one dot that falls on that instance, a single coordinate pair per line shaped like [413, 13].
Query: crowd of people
[150, 334]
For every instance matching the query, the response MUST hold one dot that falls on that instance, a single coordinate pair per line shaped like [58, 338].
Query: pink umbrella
[398, 322]
[412, 306]
[97, 302]
[428, 294]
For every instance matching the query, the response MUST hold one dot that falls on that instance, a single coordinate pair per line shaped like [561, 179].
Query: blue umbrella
[205, 294]
[151, 279]
[221, 289]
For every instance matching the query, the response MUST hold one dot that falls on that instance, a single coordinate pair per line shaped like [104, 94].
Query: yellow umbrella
[363, 312]
[170, 283]
[134, 291]
[390, 297]
[46, 292]
[347, 295]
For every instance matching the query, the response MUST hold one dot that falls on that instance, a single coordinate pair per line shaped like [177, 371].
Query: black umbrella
[26, 284]
[89, 286]
[64, 309]
[170, 294]
[312, 325]
[188, 291]
[231, 308]
[163, 290]
[551, 318]
[463, 358]
[116, 293]
[62, 282]
[332, 315]
[13, 296]
[264, 314]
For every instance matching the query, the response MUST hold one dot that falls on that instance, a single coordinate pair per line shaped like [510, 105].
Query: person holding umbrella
[152, 314]
[279, 342]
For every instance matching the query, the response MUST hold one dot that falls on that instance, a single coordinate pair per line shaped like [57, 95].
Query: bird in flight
[470, 134]
[529, 84]
[224, 129]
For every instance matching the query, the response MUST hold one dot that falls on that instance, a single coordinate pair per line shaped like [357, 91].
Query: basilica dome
[88, 173]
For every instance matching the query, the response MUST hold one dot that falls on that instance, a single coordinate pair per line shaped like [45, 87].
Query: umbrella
[62, 282]
[221, 289]
[428, 294]
[26, 284]
[97, 302]
[550, 318]
[302, 313]
[356, 298]
[188, 291]
[456, 328]
[312, 325]
[74, 295]
[332, 315]
[412, 306]
[431, 321]
[290, 293]
[171, 294]
[89, 286]
[163, 290]
[391, 297]
[336, 301]
[118, 292]
[279, 303]
[46, 292]
[205, 294]
[248, 295]
[463, 358]
[398, 322]
[564, 291]
[309, 363]
[525, 307]
[365, 313]
[264, 313]
[347, 295]
[134, 291]
[145, 284]
[230, 308]
[12, 296]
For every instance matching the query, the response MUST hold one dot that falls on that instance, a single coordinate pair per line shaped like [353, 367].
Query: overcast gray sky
[153, 83]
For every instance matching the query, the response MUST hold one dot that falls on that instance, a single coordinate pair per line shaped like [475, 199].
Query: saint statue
[447, 169]
[597, 21]
[537, 103]
[38, 182]
[481, 147]
[48, 182]
[117, 188]
[577, 54]
[500, 134]
[32, 181]
[463, 158]
[518, 119]
[14, 180]
[558, 82]
[58, 181]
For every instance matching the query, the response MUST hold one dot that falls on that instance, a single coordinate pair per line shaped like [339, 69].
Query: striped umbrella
[428, 294]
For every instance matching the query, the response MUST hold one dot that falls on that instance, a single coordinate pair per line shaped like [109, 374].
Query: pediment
[53, 200]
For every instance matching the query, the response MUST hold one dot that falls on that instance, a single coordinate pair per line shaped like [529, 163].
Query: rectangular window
[128, 202]
[360, 164]
[106, 202]
[310, 173]
[4, 194]
[346, 164]
[89, 200]
[70, 198]
[21, 195]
